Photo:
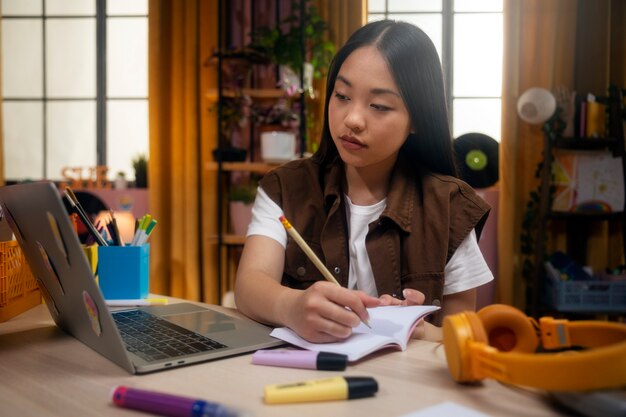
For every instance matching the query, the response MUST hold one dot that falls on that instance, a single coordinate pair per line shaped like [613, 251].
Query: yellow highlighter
[326, 389]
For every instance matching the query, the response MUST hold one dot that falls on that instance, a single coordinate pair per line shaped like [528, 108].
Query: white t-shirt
[361, 276]
[465, 270]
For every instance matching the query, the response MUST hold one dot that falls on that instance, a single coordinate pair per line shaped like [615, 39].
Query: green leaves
[243, 192]
[288, 48]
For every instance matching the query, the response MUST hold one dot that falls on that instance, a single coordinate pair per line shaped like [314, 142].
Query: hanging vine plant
[532, 219]
[530, 224]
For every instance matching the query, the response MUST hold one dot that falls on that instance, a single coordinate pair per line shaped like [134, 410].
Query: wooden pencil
[310, 254]
[307, 250]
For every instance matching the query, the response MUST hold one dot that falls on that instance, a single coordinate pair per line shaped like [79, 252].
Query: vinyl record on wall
[477, 159]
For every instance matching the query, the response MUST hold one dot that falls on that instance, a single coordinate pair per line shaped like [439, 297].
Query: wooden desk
[45, 372]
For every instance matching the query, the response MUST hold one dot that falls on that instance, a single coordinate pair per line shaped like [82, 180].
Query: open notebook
[391, 326]
[140, 339]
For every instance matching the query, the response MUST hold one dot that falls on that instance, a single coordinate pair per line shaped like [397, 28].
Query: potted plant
[236, 65]
[283, 45]
[277, 126]
[140, 165]
[241, 198]
[282, 115]
[120, 181]
[235, 115]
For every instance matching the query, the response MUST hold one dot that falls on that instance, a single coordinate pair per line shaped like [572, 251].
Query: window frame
[101, 98]
[447, 48]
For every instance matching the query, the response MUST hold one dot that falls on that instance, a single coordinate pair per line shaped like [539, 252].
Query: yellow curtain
[174, 147]
[208, 16]
[545, 46]
[343, 17]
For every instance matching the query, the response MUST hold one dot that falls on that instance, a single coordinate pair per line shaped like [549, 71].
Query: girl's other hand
[411, 298]
[326, 312]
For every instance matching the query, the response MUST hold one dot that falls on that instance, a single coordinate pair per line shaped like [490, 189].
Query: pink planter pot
[240, 217]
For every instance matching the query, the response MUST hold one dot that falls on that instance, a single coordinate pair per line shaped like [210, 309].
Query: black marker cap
[361, 386]
[327, 361]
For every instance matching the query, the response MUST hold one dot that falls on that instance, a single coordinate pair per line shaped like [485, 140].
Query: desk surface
[45, 372]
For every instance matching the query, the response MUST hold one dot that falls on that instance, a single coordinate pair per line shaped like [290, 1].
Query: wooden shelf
[584, 143]
[232, 240]
[575, 228]
[259, 167]
[258, 93]
[585, 215]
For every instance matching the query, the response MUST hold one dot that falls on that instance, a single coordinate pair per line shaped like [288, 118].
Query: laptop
[140, 340]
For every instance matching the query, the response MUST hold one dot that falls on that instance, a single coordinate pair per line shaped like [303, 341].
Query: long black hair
[415, 67]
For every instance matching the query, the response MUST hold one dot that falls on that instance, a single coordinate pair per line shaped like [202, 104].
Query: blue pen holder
[124, 271]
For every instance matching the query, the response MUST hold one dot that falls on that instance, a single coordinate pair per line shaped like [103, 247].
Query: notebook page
[391, 325]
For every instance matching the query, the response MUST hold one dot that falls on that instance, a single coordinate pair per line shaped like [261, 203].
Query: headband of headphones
[474, 350]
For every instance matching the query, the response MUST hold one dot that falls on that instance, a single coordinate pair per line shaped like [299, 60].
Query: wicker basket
[18, 287]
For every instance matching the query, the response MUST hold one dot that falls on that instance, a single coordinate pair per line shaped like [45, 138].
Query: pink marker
[322, 361]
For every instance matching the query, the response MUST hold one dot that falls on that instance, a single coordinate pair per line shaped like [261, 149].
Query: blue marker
[168, 404]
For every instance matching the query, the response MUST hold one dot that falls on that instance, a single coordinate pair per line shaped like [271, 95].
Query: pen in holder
[123, 271]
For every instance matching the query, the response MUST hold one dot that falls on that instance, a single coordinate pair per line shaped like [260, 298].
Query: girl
[379, 202]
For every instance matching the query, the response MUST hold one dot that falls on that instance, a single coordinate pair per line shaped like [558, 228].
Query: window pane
[127, 134]
[478, 55]
[477, 5]
[127, 7]
[127, 57]
[375, 17]
[477, 116]
[71, 137]
[71, 7]
[22, 74]
[414, 5]
[71, 58]
[430, 23]
[23, 140]
[21, 7]
[376, 6]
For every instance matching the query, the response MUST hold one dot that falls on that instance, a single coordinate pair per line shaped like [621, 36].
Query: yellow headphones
[500, 342]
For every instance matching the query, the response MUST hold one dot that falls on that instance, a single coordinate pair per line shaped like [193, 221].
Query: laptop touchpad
[203, 321]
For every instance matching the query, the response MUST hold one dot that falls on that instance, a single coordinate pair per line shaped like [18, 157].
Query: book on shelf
[596, 119]
[590, 118]
[391, 327]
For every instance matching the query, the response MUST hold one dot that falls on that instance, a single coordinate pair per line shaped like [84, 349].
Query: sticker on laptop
[92, 313]
[56, 232]
[47, 261]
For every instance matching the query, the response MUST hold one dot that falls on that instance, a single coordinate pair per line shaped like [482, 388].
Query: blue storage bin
[589, 296]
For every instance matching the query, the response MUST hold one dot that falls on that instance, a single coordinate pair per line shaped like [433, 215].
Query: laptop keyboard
[153, 338]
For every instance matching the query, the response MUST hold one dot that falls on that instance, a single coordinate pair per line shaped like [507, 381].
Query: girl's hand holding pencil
[325, 312]
[353, 301]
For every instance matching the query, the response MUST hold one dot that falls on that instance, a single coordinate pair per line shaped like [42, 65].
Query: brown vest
[408, 246]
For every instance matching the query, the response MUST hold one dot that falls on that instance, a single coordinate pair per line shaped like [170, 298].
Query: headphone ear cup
[508, 329]
[458, 331]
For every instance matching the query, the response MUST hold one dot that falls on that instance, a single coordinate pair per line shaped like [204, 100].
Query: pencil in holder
[123, 271]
